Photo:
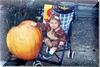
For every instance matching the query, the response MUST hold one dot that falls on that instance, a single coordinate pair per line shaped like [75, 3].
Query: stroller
[67, 17]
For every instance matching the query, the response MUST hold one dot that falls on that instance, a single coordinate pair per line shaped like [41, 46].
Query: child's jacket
[56, 36]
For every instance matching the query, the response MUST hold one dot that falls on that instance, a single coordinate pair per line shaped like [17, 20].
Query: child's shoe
[47, 56]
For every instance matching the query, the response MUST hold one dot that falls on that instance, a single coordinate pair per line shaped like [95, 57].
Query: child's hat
[54, 16]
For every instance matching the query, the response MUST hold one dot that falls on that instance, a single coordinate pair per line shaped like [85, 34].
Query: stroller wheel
[37, 63]
[71, 54]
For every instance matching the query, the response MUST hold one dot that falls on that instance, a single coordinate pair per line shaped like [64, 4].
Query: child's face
[54, 24]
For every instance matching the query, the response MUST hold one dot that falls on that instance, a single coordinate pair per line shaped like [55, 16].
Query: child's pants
[53, 45]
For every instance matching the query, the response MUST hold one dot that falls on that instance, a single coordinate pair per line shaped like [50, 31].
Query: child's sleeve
[62, 36]
[42, 26]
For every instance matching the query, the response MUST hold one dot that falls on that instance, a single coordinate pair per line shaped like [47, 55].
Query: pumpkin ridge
[11, 45]
[40, 37]
[35, 39]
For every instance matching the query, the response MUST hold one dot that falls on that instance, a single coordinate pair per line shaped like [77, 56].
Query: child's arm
[62, 40]
[42, 26]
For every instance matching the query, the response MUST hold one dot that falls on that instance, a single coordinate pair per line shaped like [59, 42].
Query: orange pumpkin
[25, 40]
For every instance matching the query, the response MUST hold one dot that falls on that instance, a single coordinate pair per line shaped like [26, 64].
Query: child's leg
[48, 42]
[50, 53]
[52, 50]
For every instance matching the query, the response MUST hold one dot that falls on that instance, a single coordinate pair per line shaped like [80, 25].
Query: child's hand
[33, 23]
[61, 43]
